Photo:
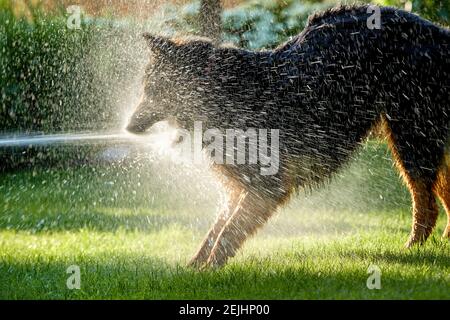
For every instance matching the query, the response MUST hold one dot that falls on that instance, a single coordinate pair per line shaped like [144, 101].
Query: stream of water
[65, 138]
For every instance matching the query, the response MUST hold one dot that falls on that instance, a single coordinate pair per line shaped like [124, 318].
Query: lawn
[132, 227]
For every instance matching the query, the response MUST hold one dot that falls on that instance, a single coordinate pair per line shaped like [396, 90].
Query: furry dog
[324, 89]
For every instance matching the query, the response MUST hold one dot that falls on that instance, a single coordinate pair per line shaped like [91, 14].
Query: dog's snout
[135, 128]
[140, 122]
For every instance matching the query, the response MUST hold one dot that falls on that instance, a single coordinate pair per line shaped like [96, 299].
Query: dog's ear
[192, 54]
[159, 44]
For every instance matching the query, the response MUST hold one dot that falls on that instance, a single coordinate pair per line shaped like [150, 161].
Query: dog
[325, 90]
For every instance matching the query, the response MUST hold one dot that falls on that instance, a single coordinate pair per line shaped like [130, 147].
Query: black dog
[324, 90]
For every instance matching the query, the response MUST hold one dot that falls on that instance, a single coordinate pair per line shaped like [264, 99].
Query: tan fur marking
[425, 209]
[442, 190]
[425, 213]
[235, 197]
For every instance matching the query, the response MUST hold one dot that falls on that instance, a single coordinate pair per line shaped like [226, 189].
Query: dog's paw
[214, 262]
[415, 239]
[198, 261]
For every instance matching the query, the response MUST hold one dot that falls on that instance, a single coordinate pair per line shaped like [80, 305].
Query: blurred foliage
[39, 60]
[266, 23]
[434, 10]
[56, 79]
[255, 24]
[53, 78]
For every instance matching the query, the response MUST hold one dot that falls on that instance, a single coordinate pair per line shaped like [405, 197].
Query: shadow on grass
[148, 220]
[437, 256]
[147, 278]
[106, 220]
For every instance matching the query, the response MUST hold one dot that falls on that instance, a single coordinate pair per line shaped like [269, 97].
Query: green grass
[132, 229]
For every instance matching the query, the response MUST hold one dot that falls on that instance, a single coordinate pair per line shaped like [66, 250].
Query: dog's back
[343, 78]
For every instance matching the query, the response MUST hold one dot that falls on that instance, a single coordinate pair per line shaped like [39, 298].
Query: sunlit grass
[136, 265]
[132, 232]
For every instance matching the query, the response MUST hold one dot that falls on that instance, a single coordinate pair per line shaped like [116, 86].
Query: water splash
[160, 136]
[64, 138]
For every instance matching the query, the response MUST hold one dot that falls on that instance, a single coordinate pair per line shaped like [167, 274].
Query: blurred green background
[56, 79]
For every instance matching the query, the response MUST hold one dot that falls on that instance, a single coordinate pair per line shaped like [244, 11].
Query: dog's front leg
[203, 253]
[252, 213]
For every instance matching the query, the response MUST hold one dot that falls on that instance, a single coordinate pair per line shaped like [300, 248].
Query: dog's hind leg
[442, 190]
[425, 212]
[417, 158]
[235, 196]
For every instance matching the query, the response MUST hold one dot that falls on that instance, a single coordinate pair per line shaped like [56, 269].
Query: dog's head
[172, 82]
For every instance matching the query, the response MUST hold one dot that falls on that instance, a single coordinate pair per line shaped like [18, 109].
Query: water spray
[64, 138]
